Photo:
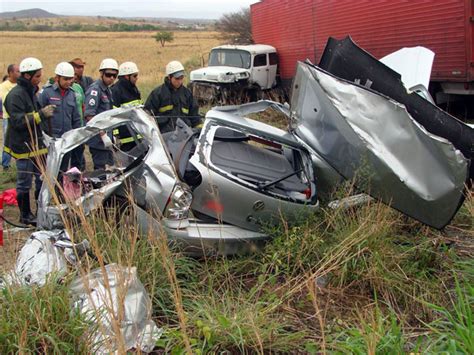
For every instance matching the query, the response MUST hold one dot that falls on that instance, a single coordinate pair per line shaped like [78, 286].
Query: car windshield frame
[239, 59]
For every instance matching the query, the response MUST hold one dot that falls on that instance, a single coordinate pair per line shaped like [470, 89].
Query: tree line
[77, 27]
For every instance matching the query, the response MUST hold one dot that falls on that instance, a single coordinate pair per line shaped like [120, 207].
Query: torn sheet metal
[368, 136]
[39, 258]
[115, 300]
[144, 168]
[45, 254]
[346, 60]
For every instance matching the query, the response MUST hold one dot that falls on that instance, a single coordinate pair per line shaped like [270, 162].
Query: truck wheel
[255, 94]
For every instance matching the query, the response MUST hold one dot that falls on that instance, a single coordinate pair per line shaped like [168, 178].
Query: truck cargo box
[299, 29]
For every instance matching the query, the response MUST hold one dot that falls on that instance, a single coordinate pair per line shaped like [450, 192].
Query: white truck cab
[236, 68]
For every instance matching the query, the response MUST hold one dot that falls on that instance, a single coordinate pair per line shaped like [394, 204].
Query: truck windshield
[230, 58]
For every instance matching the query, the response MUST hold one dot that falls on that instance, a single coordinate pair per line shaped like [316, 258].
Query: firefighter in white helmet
[99, 99]
[24, 140]
[66, 115]
[126, 94]
[173, 100]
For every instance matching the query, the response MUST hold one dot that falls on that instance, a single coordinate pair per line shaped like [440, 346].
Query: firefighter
[126, 94]
[99, 99]
[24, 135]
[66, 115]
[172, 99]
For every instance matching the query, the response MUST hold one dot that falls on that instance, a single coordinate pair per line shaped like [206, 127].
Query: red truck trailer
[299, 29]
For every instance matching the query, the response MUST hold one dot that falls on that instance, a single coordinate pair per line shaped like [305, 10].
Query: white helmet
[30, 64]
[174, 67]
[108, 63]
[127, 68]
[64, 69]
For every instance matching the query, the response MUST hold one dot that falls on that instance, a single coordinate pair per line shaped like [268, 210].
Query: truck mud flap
[344, 59]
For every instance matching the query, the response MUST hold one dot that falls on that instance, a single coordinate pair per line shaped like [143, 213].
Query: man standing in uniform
[66, 115]
[172, 99]
[13, 74]
[99, 99]
[126, 94]
[79, 77]
[24, 136]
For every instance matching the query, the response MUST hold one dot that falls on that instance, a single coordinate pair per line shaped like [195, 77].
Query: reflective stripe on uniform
[132, 103]
[115, 132]
[185, 110]
[130, 139]
[165, 108]
[25, 155]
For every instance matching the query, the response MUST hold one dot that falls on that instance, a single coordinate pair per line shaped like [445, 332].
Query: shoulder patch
[94, 92]
[91, 102]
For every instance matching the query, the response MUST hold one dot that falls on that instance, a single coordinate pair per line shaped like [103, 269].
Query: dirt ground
[13, 238]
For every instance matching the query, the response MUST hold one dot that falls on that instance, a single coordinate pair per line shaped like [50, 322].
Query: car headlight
[243, 75]
[179, 203]
[182, 197]
[177, 210]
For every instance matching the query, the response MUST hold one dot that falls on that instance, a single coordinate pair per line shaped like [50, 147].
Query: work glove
[106, 140]
[48, 111]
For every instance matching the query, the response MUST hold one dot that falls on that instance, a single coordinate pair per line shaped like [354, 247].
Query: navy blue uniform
[98, 99]
[66, 115]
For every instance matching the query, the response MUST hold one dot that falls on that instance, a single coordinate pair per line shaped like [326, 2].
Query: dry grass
[140, 47]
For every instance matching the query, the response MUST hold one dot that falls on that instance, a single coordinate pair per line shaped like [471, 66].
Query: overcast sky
[209, 9]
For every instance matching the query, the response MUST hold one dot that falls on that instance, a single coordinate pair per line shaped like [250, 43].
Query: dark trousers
[27, 169]
[101, 157]
[77, 158]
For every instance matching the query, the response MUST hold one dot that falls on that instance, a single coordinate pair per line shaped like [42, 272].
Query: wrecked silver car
[208, 190]
[212, 191]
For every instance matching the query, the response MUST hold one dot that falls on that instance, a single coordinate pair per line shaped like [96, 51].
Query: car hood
[373, 139]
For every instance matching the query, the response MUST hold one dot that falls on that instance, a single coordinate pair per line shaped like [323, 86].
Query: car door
[370, 138]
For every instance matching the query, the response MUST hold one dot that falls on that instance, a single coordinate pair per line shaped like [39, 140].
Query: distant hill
[41, 20]
[30, 13]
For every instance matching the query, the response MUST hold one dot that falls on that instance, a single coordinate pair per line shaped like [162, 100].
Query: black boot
[26, 217]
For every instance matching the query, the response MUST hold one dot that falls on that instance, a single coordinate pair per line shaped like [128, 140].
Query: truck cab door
[272, 69]
[260, 70]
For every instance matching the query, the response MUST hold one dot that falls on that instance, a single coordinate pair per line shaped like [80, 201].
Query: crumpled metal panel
[44, 254]
[150, 191]
[233, 117]
[347, 61]
[114, 298]
[366, 135]
[39, 258]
